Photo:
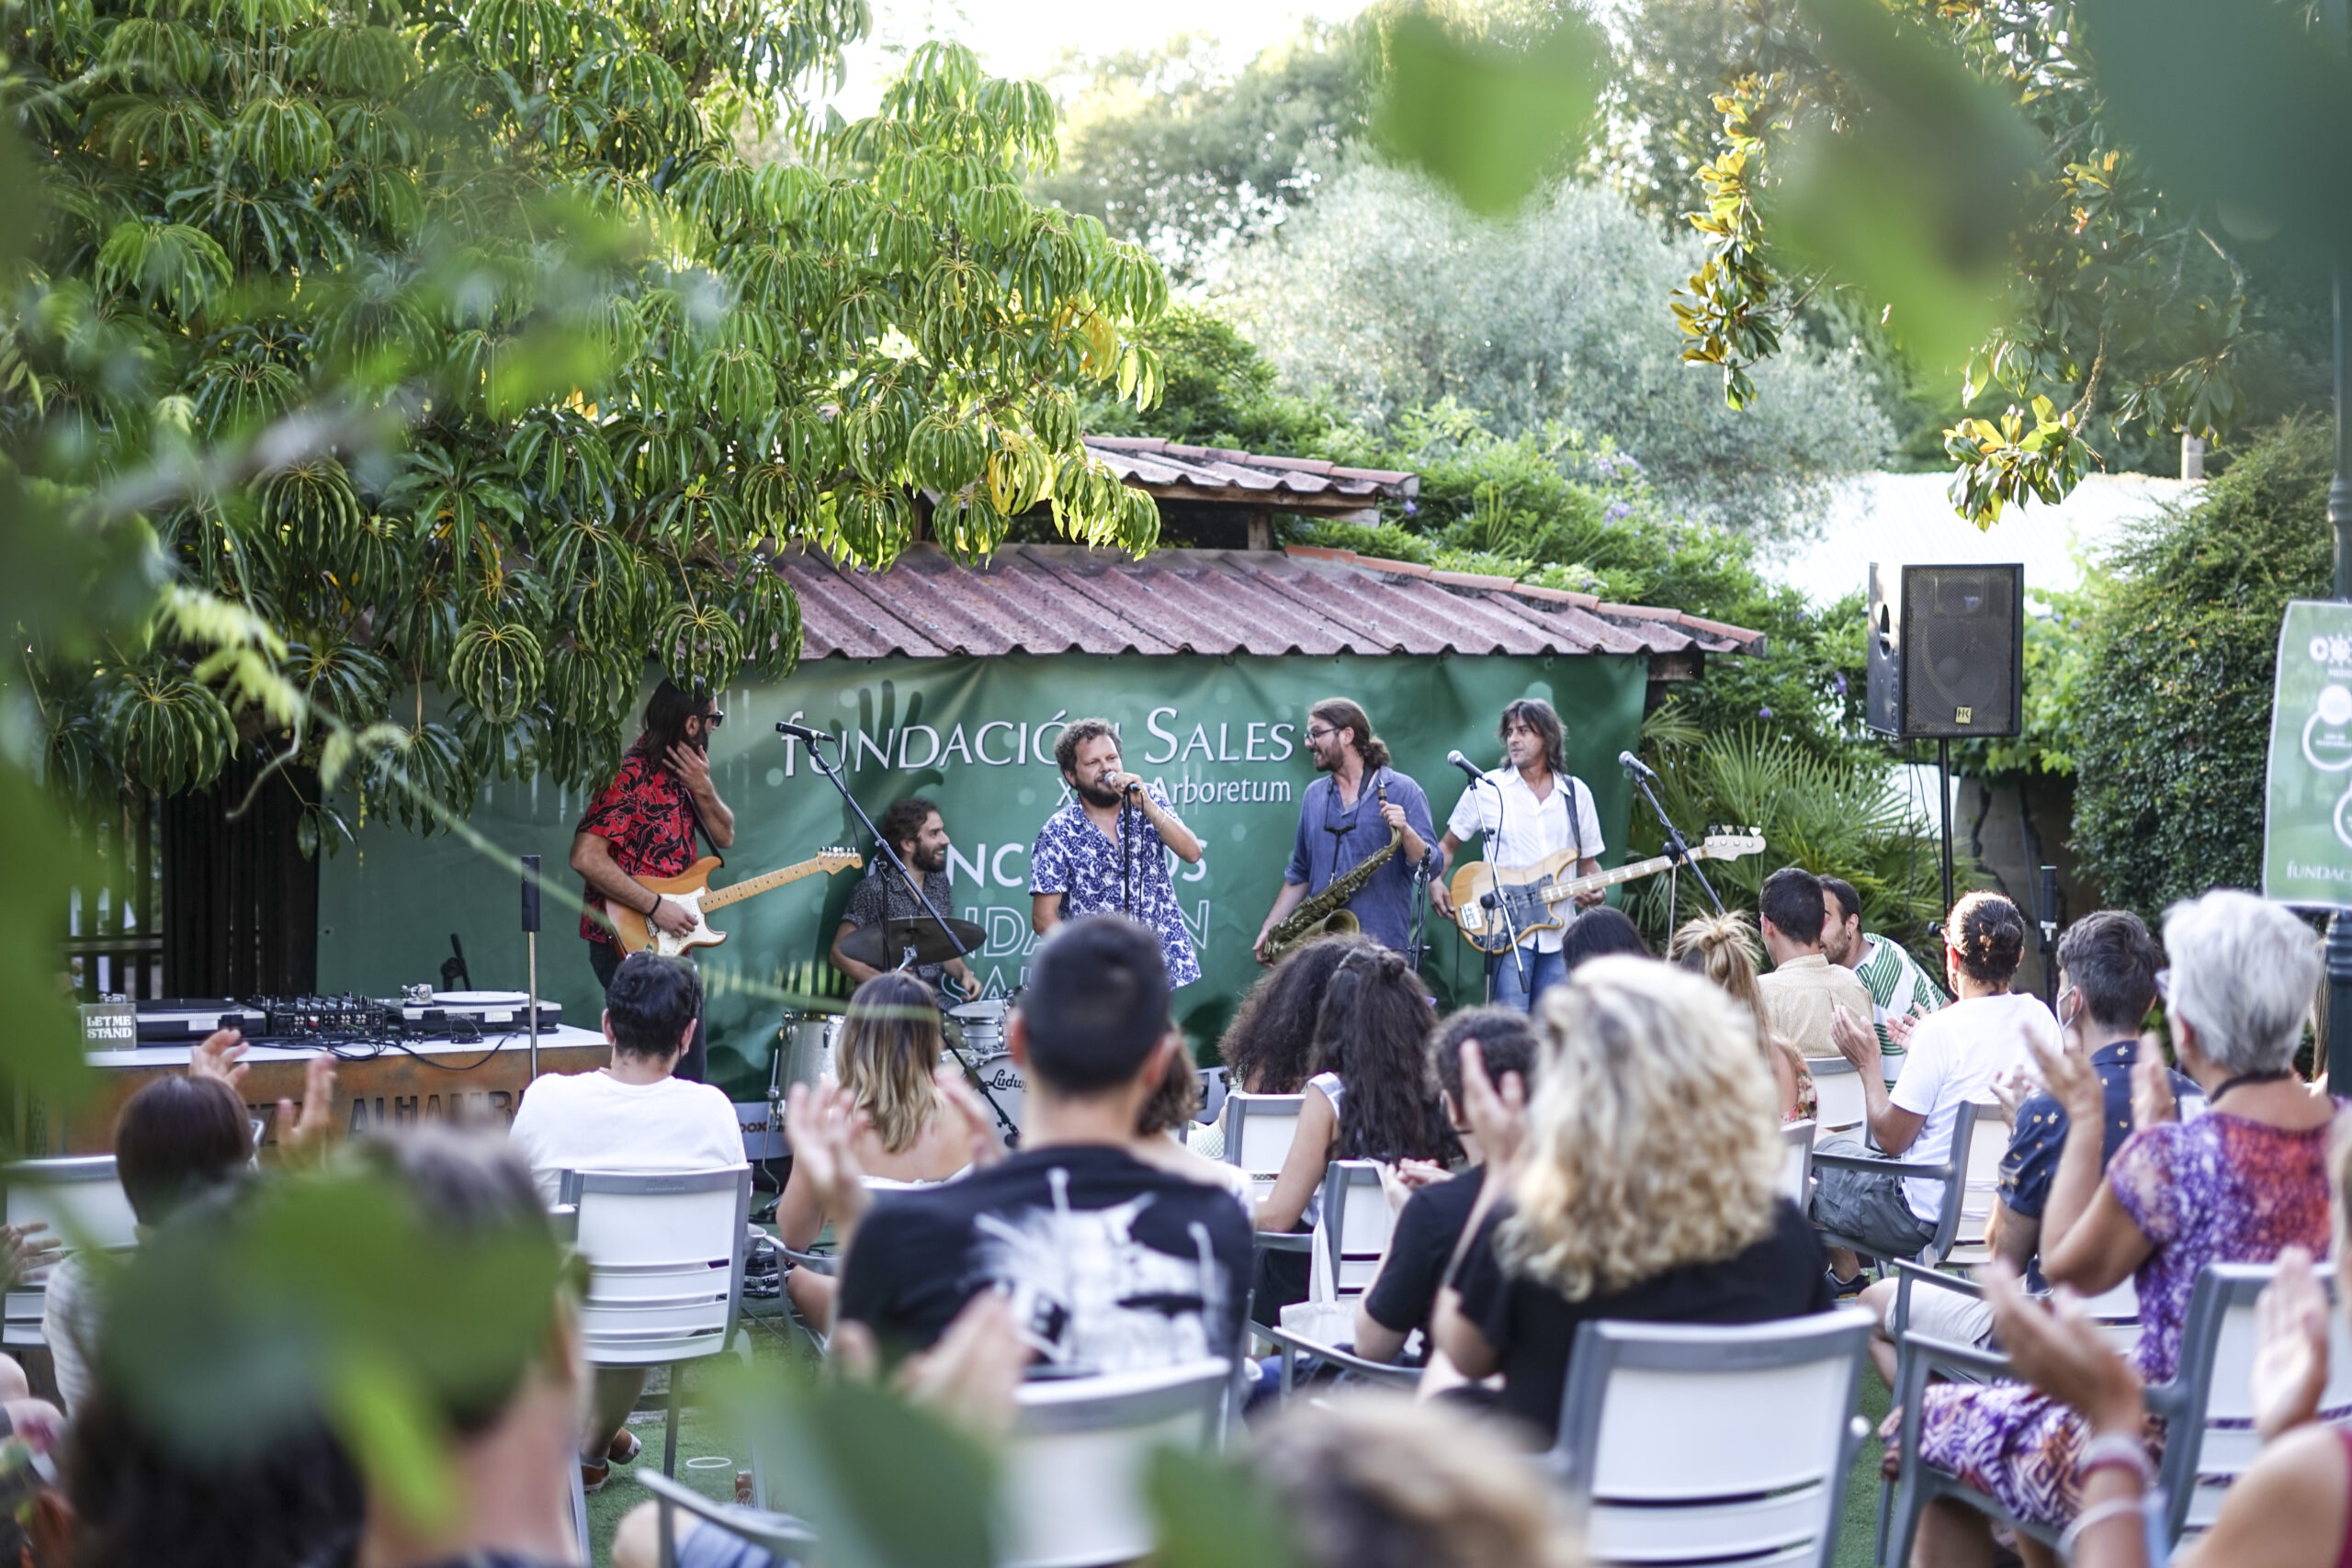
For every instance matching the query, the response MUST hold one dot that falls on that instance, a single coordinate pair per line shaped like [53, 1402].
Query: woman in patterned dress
[2236, 1185]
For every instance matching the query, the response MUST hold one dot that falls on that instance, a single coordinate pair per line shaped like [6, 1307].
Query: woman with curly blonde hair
[1721, 948]
[1646, 1187]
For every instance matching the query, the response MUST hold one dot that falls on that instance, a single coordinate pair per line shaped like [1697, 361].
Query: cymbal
[884, 943]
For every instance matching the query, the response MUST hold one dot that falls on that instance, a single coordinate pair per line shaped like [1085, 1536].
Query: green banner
[1222, 735]
[2307, 822]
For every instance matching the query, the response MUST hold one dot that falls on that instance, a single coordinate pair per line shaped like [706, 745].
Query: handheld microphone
[1465, 764]
[1635, 766]
[802, 733]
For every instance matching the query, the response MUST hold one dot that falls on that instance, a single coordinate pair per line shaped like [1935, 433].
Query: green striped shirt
[1898, 986]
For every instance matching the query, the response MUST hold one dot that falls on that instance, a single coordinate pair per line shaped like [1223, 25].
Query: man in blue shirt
[1347, 816]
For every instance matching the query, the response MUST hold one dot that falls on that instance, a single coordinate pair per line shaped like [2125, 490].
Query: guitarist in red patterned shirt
[644, 824]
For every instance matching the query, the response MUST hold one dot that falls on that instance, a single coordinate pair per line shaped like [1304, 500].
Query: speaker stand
[1943, 802]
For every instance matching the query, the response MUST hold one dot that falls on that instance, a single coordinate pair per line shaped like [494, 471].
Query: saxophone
[1326, 914]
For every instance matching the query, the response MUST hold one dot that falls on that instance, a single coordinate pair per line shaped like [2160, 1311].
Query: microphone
[1466, 765]
[802, 733]
[1635, 766]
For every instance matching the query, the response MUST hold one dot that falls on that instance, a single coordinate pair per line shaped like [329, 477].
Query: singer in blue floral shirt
[1075, 867]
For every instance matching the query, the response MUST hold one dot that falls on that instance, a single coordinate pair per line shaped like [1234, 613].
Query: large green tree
[508, 368]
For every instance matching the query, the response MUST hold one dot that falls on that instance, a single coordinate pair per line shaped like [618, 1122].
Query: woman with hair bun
[1721, 948]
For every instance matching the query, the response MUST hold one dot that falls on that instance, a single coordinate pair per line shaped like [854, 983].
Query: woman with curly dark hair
[1374, 1096]
[1269, 1048]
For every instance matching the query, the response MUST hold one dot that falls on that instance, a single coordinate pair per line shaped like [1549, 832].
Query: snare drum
[981, 1026]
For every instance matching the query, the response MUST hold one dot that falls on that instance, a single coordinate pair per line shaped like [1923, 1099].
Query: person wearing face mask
[1347, 815]
[644, 826]
[1103, 853]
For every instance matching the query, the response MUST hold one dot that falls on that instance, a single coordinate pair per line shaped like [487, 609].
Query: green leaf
[1492, 124]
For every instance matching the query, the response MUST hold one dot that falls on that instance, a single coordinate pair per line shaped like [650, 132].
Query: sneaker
[625, 1447]
[594, 1474]
[1841, 1288]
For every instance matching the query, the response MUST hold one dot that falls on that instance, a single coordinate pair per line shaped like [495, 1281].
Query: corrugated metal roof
[1070, 599]
[1247, 478]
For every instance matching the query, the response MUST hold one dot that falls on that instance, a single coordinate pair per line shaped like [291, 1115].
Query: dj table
[378, 1083]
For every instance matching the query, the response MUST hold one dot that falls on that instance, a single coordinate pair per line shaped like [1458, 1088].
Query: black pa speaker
[1947, 652]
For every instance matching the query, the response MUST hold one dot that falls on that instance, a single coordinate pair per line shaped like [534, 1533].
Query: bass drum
[979, 1029]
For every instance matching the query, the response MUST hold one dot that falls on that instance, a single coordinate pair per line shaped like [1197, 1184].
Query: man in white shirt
[632, 1114]
[1525, 810]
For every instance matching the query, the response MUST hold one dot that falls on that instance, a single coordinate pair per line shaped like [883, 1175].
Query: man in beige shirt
[1803, 986]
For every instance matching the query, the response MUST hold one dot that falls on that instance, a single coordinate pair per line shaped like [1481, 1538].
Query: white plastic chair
[1355, 1225]
[1969, 1150]
[1073, 1470]
[1980, 1183]
[82, 1201]
[1691, 1443]
[1796, 1173]
[665, 1256]
[1259, 1130]
[1838, 1091]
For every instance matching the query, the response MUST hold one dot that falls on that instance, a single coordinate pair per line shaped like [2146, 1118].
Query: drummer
[913, 827]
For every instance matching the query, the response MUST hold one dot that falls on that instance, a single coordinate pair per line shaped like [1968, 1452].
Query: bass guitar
[1535, 898]
[691, 887]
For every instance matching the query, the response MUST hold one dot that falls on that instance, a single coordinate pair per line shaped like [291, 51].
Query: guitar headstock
[838, 859]
[1731, 843]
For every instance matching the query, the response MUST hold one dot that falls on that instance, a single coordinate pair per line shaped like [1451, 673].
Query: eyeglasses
[1319, 734]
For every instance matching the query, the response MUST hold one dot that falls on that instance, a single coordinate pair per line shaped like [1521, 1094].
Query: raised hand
[823, 1125]
[2063, 1352]
[302, 1139]
[1496, 1112]
[2152, 1097]
[1856, 1041]
[219, 1055]
[973, 1113]
[2067, 1074]
[1899, 1028]
[2011, 1089]
[25, 1249]
[2290, 1358]
[692, 765]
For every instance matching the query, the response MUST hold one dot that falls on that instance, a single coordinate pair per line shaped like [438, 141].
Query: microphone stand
[889, 853]
[1677, 848]
[1497, 900]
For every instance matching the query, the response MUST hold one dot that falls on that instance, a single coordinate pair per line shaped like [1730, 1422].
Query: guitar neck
[761, 884]
[1633, 871]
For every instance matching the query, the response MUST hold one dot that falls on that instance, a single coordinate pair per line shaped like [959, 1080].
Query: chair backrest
[1703, 1442]
[1796, 1173]
[1213, 1088]
[1073, 1472]
[665, 1254]
[2210, 1398]
[1982, 1139]
[1838, 1089]
[1257, 1132]
[1355, 1223]
[82, 1203]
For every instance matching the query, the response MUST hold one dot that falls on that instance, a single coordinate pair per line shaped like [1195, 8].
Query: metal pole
[1943, 785]
[2338, 1044]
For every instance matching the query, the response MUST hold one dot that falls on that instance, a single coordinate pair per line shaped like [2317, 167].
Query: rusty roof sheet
[1248, 478]
[1070, 599]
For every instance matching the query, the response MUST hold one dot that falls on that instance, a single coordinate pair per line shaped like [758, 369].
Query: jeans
[604, 958]
[1506, 988]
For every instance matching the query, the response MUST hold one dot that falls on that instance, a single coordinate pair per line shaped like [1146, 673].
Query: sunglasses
[714, 718]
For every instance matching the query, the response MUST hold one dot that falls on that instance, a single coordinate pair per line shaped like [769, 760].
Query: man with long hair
[1529, 808]
[643, 825]
[914, 827]
[1336, 831]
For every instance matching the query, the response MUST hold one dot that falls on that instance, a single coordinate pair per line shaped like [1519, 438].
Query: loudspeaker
[1946, 653]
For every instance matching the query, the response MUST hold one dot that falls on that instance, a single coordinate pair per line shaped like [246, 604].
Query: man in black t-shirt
[1428, 1230]
[1111, 1265]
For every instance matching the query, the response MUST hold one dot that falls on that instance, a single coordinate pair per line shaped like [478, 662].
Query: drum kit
[808, 1044]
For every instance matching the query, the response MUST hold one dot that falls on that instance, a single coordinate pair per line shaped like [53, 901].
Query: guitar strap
[702, 833]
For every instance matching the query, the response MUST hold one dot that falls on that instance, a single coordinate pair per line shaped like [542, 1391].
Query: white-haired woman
[2238, 1185]
[1646, 1186]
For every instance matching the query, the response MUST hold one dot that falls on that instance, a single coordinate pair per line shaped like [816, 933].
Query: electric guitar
[1535, 898]
[691, 887]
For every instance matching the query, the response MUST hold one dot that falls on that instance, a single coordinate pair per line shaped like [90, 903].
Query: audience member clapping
[1372, 1097]
[2107, 982]
[1378, 1482]
[909, 1131]
[1402, 1295]
[633, 1114]
[1723, 949]
[2240, 1184]
[1648, 1187]
[1956, 1056]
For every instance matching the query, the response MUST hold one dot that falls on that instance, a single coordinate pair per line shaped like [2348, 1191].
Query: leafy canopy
[474, 353]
